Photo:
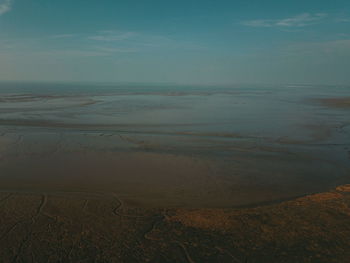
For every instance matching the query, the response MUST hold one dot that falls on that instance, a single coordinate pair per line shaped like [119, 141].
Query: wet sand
[162, 170]
[174, 176]
[193, 147]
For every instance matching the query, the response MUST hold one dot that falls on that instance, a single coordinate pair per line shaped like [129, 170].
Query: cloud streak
[107, 43]
[128, 41]
[5, 6]
[334, 47]
[62, 36]
[111, 36]
[302, 20]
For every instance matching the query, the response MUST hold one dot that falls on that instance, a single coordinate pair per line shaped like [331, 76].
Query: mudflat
[173, 174]
[171, 145]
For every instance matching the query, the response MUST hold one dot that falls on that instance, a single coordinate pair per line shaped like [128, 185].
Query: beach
[109, 173]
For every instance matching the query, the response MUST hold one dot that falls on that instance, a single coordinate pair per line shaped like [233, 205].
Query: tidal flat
[105, 173]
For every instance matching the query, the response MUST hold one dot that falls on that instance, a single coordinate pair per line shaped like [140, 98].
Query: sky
[183, 41]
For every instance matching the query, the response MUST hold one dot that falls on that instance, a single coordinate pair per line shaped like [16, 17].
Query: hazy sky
[183, 41]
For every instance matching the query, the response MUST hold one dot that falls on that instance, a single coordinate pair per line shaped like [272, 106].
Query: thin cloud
[116, 50]
[301, 20]
[107, 43]
[5, 6]
[128, 41]
[317, 50]
[343, 20]
[335, 46]
[111, 36]
[62, 36]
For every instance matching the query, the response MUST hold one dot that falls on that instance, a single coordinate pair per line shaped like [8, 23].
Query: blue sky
[207, 42]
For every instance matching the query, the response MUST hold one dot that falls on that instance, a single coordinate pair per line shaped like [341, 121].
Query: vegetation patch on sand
[82, 228]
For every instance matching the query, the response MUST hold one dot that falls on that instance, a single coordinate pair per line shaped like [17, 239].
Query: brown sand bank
[336, 102]
[81, 227]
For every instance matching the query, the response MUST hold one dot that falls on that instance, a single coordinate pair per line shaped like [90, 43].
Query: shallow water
[174, 145]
